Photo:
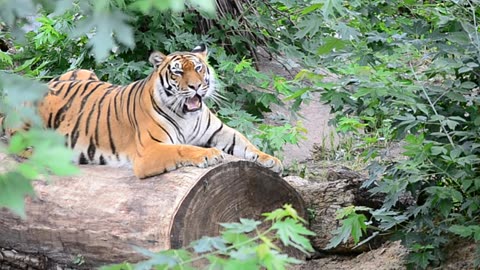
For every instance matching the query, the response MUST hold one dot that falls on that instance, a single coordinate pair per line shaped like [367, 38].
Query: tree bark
[337, 188]
[99, 215]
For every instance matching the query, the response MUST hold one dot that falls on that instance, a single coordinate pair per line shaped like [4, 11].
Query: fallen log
[333, 188]
[99, 215]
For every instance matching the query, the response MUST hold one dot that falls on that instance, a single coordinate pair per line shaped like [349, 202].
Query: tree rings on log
[225, 193]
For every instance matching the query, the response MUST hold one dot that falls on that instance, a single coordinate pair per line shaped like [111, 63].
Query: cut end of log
[227, 193]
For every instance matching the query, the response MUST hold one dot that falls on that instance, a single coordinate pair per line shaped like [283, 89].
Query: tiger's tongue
[193, 103]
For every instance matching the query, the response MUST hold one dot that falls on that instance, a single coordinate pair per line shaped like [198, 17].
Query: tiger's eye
[177, 72]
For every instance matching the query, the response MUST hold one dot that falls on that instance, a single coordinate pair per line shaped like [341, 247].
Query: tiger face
[184, 80]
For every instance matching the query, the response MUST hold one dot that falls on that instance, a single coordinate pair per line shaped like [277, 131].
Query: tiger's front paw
[270, 162]
[208, 157]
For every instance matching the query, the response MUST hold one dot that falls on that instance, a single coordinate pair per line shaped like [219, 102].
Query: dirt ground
[314, 115]
[390, 256]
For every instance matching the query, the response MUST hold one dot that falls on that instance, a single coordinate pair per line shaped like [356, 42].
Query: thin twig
[433, 107]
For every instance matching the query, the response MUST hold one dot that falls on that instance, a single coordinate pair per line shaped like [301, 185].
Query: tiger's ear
[156, 58]
[201, 50]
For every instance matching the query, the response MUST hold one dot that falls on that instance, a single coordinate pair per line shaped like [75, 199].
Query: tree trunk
[338, 188]
[99, 215]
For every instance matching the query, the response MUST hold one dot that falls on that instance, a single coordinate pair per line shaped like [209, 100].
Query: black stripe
[85, 88]
[84, 100]
[74, 75]
[109, 128]
[56, 83]
[209, 142]
[57, 92]
[74, 135]
[231, 148]
[60, 115]
[91, 150]
[93, 77]
[163, 129]
[117, 102]
[129, 91]
[208, 122]
[100, 102]
[153, 138]
[168, 118]
[75, 131]
[87, 125]
[102, 160]
[82, 160]
[50, 120]
[168, 89]
[71, 85]
[136, 101]
[196, 129]
[66, 139]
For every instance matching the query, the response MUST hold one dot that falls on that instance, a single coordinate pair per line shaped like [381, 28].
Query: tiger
[153, 125]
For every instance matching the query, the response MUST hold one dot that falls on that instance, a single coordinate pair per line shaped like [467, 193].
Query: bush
[412, 73]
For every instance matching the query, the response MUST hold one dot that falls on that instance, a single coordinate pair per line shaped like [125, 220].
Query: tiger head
[184, 79]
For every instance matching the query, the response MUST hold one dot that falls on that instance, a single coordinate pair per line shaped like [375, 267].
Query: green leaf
[207, 6]
[49, 153]
[421, 258]
[12, 9]
[357, 224]
[346, 32]
[13, 189]
[120, 266]
[291, 233]
[330, 44]
[106, 26]
[144, 6]
[437, 150]
[353, 225]
[18, 143]
[154, 259]
[331, 7]
[274, 260]
[309, 26]
[6, 58]
[463, 231]
[245, 226]
[312, 8]
[240, 264]
[279, 214]
[207, 244]
[235, 238]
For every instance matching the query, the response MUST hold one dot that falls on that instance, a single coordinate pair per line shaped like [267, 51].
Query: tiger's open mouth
[193, 104]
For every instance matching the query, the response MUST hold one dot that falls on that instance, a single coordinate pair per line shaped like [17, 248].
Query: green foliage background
[409, 72]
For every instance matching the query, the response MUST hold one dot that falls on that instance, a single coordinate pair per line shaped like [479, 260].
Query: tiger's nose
[194, 86]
